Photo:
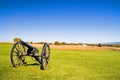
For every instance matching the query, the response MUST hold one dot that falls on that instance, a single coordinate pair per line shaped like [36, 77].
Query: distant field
[73, 47]
[66, 64]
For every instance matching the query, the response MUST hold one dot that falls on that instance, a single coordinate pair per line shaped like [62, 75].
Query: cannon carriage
[22, 49]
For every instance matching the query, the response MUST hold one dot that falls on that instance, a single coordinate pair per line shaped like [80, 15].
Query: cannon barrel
[26, 44]
[31, 49]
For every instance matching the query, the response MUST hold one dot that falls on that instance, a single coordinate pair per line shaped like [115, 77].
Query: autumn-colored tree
[57, 43]
[17, 39]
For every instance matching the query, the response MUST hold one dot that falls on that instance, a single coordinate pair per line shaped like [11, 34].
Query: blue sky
[90, 21]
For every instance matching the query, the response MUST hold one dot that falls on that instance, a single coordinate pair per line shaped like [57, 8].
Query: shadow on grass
[34, 64]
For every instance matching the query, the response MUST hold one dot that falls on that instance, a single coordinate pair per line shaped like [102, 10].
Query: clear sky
[62, 20]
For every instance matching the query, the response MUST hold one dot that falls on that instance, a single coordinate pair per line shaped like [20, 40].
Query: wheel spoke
[16, 48]
[15, 52]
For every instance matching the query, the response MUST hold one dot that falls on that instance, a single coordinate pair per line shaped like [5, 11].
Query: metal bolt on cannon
[22, 49]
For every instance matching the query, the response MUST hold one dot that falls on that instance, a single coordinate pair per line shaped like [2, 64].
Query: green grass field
[64, 65]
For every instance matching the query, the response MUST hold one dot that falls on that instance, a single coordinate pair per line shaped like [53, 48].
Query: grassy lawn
[64, 65]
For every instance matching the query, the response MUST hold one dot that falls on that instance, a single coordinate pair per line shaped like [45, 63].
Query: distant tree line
[111, 45]
[60, 43]
[64, 43]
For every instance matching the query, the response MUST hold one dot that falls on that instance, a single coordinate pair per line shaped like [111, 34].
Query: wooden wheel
[45, 56]
[16, 58]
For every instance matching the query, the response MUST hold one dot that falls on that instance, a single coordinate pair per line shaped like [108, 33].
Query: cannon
[22, 49]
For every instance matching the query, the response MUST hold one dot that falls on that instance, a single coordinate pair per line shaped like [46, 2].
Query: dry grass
[72, 47]
[114, 48]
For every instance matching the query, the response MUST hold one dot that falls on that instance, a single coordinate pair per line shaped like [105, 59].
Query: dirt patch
[114, 48]
[77, 47]
[72, 47]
